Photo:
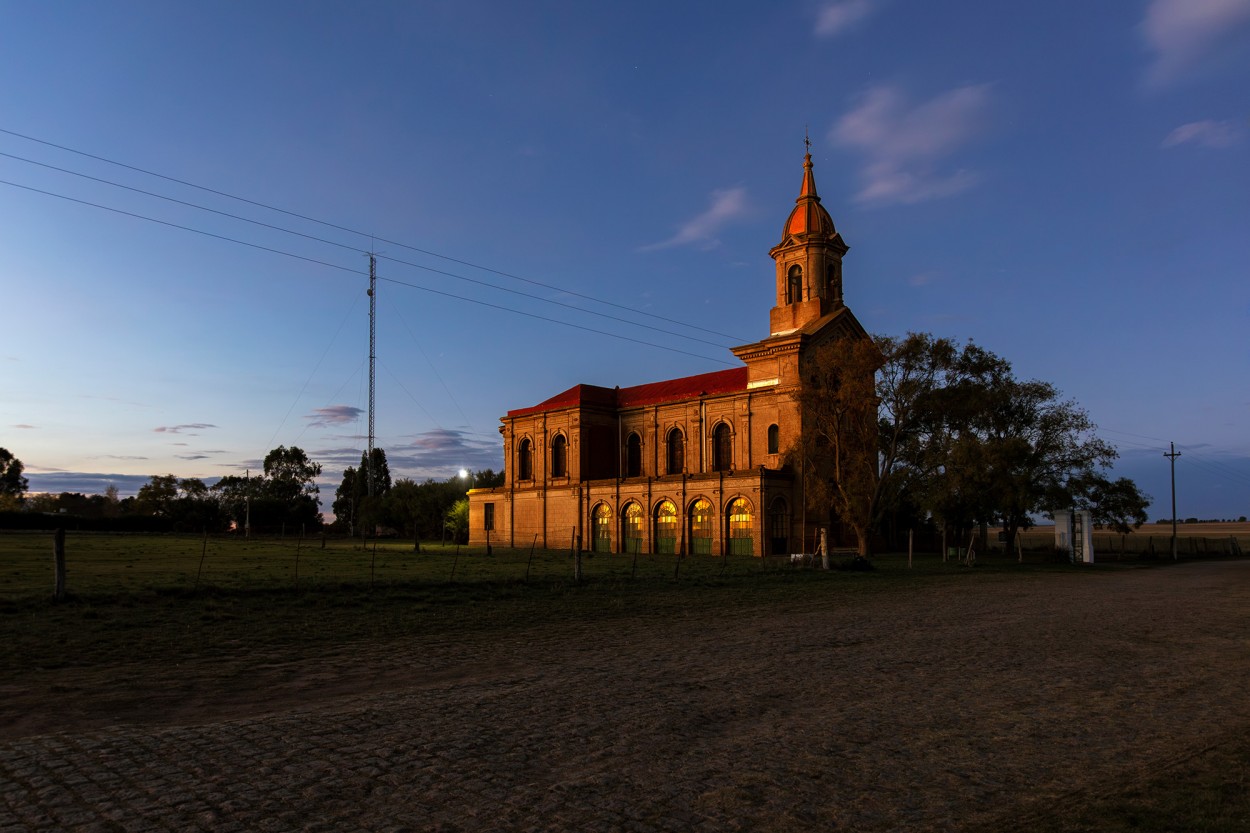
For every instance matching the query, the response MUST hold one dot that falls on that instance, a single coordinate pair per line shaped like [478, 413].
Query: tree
[487, 479]
[923, 424]
[379, 471]
[1036, 451]
[1116, 504]
[289, 490]
[157, 496]
[836, 452]
[352, 501]
[12, 484]
[457, 519]
[291, 475]
[421, 508]
[346, 497]
[869, 427]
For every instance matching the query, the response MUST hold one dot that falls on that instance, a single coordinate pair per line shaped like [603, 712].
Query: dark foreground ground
[1020, 703]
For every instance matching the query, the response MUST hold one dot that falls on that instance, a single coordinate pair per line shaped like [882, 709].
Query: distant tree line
[282, 497]
[1241, 519]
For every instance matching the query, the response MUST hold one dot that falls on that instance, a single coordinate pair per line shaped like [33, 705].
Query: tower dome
[808, 215]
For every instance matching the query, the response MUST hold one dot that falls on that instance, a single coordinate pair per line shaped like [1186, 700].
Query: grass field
[108, 564]
[138, 634]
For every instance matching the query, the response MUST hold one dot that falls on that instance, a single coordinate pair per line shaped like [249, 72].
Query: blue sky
[1065, 183]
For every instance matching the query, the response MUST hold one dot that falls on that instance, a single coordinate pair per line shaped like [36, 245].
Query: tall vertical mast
[373, 336]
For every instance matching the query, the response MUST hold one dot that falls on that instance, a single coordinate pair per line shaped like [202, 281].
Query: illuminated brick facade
[691, 465]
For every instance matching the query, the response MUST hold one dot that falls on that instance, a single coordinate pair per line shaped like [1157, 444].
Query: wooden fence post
[530, 563]
[203, 553]
[577, 559]
[58, 562]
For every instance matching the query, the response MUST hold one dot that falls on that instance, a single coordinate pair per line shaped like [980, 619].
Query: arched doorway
[666, 527]
[631, 528]
[779, 527]
[741, 527]
[601, 529]
[701, 528]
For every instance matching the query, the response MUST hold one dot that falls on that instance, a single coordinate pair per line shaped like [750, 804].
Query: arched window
[631, 528]
[774, 439]
[676, 451]
[525, 461]
[722, 448]
[701, 528]
[794, 285]
[601, 537]
[666, 527]
[739, 521]
[633, 456]
[559, 456]
[779, 527]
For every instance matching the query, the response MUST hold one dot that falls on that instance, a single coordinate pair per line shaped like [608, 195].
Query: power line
[364, 234]
[348, 269]
[350, 248]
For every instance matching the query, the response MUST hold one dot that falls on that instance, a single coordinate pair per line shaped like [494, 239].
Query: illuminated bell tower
[809, 262]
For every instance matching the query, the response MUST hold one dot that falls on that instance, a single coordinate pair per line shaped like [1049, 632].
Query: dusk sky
[565, 193]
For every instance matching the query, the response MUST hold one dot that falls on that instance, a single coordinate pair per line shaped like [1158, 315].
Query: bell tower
[809, 262]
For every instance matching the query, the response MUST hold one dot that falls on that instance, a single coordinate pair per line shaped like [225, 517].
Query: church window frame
[794, 284]
[525, 459]
[722, 447]
[559, 456]
[633, 455]
[774, 439]
[675, 451]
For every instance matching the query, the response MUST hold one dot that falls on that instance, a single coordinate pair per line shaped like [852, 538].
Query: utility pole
[247, 503]
[373, 338]
[1172, 458]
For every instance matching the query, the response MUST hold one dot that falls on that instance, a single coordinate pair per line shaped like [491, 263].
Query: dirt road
[950, 706]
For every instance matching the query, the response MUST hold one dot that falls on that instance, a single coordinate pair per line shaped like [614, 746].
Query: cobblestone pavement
[928, 710]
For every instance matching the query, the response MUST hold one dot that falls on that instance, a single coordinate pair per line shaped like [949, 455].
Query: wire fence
[119, 564]
[113, 564]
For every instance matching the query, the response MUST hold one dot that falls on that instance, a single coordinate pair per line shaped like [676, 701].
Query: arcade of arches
[692, 465]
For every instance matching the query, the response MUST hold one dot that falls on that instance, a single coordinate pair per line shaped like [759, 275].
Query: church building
[691, 466]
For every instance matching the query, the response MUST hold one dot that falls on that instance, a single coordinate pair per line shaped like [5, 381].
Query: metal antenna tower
[373, 340]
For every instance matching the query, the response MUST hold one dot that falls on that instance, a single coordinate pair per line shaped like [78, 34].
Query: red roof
[733, 380]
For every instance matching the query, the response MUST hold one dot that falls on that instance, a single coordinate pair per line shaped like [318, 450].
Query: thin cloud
[835, 18]
[182, 429]
[87, 483]
[903, 144]
[334, 415]
[726, 206]
[1183, 33]
[24, 426]
[439, 453]
[1206, 133]
[192, 456]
